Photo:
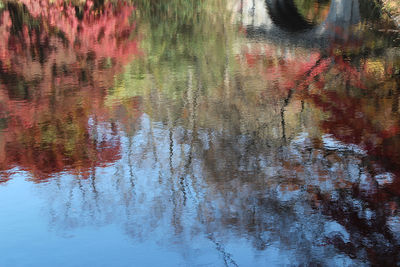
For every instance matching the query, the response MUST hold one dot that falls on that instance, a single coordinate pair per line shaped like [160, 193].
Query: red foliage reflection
[56, 62]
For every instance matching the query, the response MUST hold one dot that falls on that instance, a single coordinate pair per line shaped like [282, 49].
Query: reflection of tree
[245, 178]
[367, 218]
[367, 117]
[221, 171]
[56, 64]
[273, 145]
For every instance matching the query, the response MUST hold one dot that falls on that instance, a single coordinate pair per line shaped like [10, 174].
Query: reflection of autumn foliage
[56, 62]
[369, 225]
[350, 117]
[371, 123]
[348, 122]
[360, 103]
[105, 31]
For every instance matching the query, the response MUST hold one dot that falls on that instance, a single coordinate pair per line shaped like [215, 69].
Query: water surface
[199, 133]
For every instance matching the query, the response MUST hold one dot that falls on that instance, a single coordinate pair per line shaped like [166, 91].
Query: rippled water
[199, 133]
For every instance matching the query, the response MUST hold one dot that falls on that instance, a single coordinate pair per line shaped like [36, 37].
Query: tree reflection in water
[54, 62]
[207, 133]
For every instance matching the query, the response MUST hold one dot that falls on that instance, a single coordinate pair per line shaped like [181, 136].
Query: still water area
[199, 133]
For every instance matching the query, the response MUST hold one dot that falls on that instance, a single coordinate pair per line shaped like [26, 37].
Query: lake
[199, 133]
